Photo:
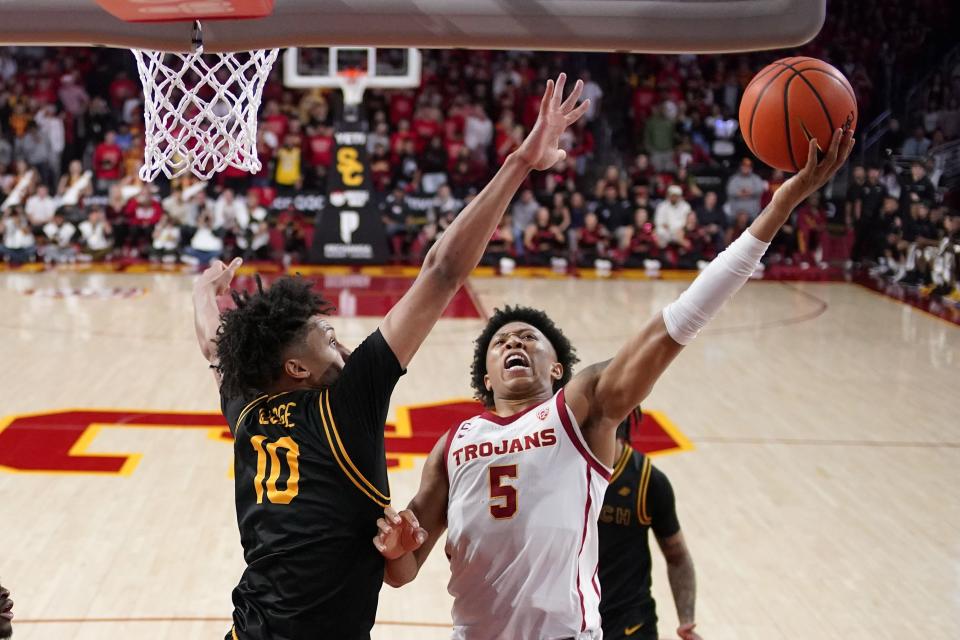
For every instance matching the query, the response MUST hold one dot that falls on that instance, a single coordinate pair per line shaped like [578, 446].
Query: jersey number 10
[275, 495]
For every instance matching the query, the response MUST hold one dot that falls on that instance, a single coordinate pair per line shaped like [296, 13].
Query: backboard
[585, 25]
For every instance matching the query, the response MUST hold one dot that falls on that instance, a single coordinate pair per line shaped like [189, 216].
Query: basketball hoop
[353, 86]
[200, 110]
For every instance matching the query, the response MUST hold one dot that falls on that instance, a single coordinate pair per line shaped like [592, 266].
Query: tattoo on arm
[683, 579]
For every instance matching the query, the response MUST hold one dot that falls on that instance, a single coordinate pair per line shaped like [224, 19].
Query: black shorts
[631, 624]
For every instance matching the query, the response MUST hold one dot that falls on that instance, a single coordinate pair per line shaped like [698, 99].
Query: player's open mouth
[6, 611]
[517, 361]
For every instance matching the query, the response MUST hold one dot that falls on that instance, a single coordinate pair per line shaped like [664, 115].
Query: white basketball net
[201, 110]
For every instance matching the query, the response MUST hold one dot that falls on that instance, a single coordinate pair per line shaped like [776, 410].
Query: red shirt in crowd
[319, 150]
[121, 89]
[278, 124]
[401, 107]
[143, 214]
[108, 161]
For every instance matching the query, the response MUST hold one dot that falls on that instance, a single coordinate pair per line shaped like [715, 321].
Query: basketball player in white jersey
[520, 486]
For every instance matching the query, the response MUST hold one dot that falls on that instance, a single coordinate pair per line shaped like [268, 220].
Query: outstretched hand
[686, 632]
[219, 275]
[399, 533]
[541, 149]
[815, 174]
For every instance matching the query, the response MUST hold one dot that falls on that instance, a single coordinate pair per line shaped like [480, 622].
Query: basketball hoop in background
[200, 110]
[352, 80]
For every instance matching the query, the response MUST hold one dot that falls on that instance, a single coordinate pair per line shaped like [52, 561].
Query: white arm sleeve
[722, 278]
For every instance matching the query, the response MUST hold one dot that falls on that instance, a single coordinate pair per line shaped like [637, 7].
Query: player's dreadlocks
[630, 424]
[252, 337]
[566, 354]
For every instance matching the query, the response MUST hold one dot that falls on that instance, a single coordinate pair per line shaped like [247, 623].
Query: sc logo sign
[349, 222]
[349, 166]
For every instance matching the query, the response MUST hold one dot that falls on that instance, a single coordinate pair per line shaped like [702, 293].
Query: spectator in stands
[918, 244]
[740, 223]
[917, 186]
[713, 220]
[40, 208]
[288, 176]
[501, 243]
[254, 242]
[96, 235]
[58, 235]
[640, 241]
[18, 244]
[811, 225]
[695, 246]
[107, 163]
[50, 124]
[73, 96]
[74, 180]
[35, 149]
[142, 213]
[166, 241]
[658, 140]
[206, 244]
[434, 165]
[671, 217]
[478, 132]
[917, 145]
[522, 212]
[947, 261]
[612, 210]
[863, 205]
[394, 212]
[593, 93]
[593, 241]
[542, 240]
[744, 190]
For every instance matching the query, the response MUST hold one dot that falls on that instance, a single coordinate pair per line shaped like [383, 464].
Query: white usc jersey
[525, 496]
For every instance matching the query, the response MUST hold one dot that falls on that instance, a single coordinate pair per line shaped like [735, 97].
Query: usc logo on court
[59, 441]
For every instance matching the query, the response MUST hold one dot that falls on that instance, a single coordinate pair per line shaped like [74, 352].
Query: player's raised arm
[213, 282]
[459, 250]
[603, 394]
[406, 539]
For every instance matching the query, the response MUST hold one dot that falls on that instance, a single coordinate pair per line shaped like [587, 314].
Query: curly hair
[252, 337]
[566, 354]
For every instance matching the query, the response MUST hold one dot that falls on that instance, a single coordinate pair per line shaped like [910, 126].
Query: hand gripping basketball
[815, 174]
[541, 149]
[399, 533]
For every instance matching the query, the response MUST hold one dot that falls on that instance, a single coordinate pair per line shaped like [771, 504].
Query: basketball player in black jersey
[639, 499]
[308, 415]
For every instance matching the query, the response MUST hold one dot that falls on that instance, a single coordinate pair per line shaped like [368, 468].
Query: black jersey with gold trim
[310, 481]
[638, 498]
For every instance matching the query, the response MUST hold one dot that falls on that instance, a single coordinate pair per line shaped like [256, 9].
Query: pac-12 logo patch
[543, 413]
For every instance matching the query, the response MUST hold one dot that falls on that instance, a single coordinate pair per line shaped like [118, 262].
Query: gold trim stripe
[378, 498]
[246, 409]
[642, 515]
[621, 464]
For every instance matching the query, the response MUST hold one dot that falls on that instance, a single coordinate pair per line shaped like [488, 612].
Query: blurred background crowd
[656, 176]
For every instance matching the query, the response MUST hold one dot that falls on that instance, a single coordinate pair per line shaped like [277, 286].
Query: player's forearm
[206, 320]
[683, 585]
[400, 571]
[773, 216]
[460, 248]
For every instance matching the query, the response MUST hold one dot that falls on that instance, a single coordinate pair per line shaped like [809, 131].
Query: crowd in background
[656, 172]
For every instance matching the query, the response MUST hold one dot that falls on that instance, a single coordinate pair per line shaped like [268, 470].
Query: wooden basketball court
[818, 498]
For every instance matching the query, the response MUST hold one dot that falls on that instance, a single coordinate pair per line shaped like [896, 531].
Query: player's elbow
[442, 269]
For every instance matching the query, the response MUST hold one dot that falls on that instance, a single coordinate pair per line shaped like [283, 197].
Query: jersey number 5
[274, 495]
[507, 493]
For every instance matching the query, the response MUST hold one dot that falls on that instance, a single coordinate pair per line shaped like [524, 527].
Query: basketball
[789, 102]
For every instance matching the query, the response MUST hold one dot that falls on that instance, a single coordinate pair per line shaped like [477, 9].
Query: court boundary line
[186, 619]
[828, 442]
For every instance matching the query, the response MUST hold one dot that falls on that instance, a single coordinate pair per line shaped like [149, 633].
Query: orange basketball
[791, 101]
